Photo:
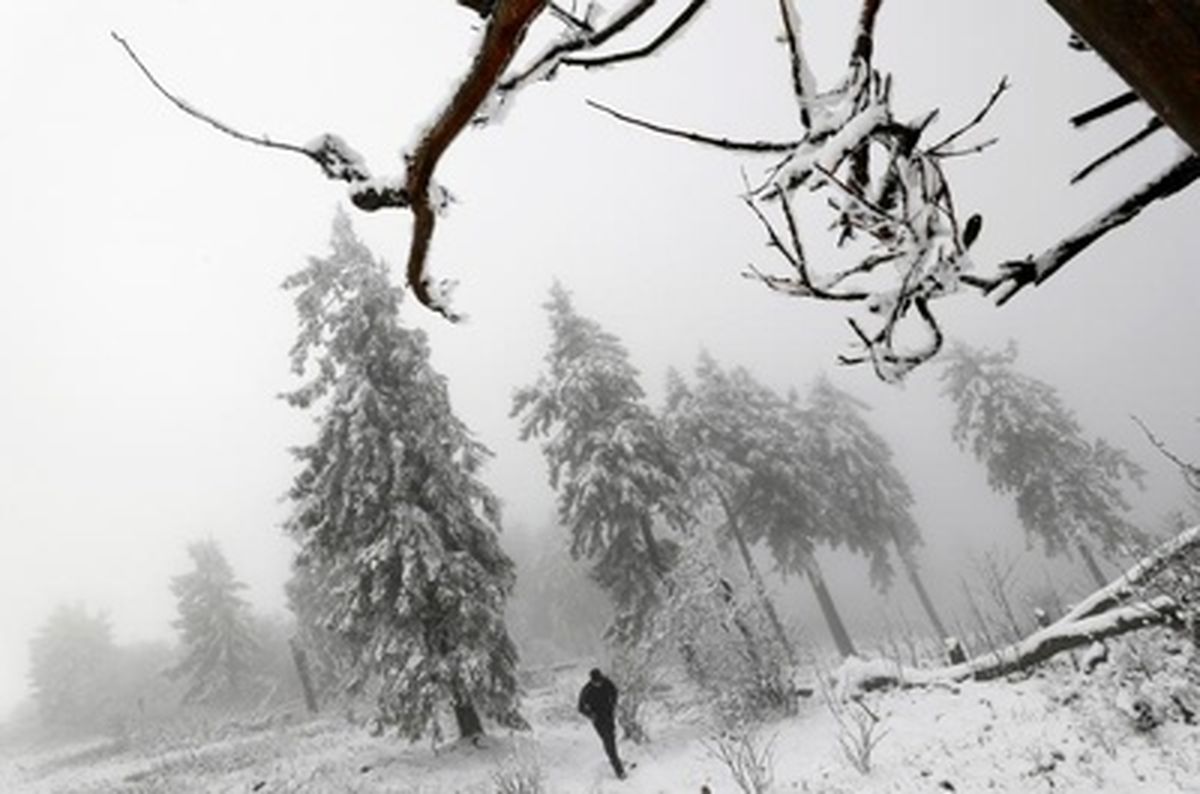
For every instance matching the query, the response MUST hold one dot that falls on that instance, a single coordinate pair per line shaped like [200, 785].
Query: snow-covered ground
[1130, 726]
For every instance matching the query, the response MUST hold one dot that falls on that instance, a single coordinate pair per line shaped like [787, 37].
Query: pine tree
[219, 647]
[1067, 488]
[389, 509]
[742, 462]
[326, 654]
[610, 461]
[870, 501]
[70, 659]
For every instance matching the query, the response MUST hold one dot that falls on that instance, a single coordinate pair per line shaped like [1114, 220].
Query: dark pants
[608, 735]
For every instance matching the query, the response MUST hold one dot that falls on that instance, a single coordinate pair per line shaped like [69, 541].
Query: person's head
[595, 675]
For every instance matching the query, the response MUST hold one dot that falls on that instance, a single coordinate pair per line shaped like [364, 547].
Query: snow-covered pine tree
[870, 503]
[390, 509]
[214, 623]
[326, 653]
[609, 459]
[742, 461]
[1068, 489]
[70, 659]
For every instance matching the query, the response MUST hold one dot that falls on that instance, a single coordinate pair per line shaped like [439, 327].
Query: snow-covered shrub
[637, 669]
[747, 755]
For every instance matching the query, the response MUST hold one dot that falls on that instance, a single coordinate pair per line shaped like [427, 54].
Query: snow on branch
[1017, 275]
[909, 248]
[585, 36]
[477, 99]
[1124, 586]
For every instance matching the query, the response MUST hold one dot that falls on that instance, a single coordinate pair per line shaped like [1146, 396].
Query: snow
[1059, 729]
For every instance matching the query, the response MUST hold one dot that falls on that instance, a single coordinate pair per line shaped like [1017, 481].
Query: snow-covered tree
[219, 648]
[389, 510]
[326, 653]
[609, 459]
[70, 658]
[869, 502]
[742, 460]
[1068, 488]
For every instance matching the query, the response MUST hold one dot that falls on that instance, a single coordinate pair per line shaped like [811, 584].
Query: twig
[801, 79]
[1190, 471]
[670, 31]
[554, 55]
[1152, 126]
[1001, 87]
[761, 146]
[192, 111]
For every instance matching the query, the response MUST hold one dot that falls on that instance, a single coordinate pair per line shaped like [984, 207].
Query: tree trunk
[1154, 45]
[756, 580]
[841, 638]
[914, 576]
[301, 661]
[1090, 561]
[467, 718]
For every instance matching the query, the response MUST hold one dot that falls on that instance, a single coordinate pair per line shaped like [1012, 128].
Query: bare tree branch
[697, 137]
[1103, 109]
[1152, 126]
[978, 118]
[1190, 471]
[1035, 270]
[669, 32]
[192, 111]
[802, 82]
[548, 61]
[507, 22]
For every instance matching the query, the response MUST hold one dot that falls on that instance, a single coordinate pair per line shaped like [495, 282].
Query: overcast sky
[143, 334]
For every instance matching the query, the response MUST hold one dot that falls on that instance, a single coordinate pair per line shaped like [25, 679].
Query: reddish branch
[508, 21]
[502, 39]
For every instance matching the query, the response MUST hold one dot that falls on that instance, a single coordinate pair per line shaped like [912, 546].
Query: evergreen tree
[70, 659]
[742, 461]
[1068, 489]
[870, 502]
[389, 510]
[310, 591]
[609, 459]
[220, 651]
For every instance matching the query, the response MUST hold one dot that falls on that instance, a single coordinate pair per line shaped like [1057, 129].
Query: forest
[834, 409]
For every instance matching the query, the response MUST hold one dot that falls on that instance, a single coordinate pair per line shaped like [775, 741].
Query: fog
[144, 336]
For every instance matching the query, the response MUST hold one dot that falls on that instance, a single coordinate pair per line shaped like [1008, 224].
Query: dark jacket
[598, 700]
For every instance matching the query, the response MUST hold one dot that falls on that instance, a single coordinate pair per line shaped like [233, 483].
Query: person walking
[598, 702]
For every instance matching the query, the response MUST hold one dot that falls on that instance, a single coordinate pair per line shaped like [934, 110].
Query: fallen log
[1105, 613]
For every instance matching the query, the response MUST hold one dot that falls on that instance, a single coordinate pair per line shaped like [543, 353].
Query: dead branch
[1108, 612]
[1125, 586]
[1043, 645]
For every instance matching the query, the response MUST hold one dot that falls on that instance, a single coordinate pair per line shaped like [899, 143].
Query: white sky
[143, 335]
